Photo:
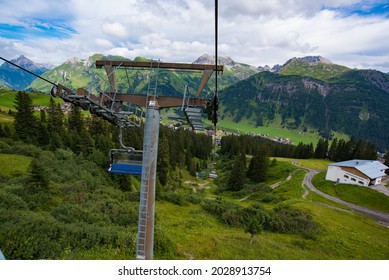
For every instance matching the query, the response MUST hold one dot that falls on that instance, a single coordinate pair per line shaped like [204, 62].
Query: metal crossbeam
[166, 65]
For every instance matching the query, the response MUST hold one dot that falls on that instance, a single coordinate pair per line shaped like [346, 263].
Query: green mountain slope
[76, 73]
[313, 66]
[355, 103]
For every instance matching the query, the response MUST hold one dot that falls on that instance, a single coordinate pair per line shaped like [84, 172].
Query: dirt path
[382, 217]
[290, 176]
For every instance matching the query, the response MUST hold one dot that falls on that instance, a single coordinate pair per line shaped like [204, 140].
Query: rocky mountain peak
[210, 59]
[275, 68]
[72, 61]
[315, 59]
[309, 59]
[21, 61]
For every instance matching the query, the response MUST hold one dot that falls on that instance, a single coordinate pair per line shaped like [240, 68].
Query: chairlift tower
[193, 108]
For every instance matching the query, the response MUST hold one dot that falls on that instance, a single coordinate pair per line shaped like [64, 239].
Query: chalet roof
[371, 168]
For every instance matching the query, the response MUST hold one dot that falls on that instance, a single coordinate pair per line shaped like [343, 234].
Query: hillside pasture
[359, 195]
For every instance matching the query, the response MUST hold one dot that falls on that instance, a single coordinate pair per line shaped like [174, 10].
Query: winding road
[382, 217]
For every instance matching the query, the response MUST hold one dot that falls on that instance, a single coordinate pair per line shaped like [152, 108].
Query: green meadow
[14, 165]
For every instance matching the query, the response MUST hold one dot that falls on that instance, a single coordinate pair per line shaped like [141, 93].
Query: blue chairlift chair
[127, 162]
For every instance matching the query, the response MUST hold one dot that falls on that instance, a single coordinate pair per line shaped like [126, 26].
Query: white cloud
[115, 29]
[103, 43]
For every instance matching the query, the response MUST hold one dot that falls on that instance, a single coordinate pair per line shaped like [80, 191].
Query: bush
[174, 198]
[164, 248]
[28, 235]
[286, 219]
[11, 201]
[229, 213]
[194, 198]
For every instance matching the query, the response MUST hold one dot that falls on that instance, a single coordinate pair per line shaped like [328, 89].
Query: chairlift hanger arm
[161, 101]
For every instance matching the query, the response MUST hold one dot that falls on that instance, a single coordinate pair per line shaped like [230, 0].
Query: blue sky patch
[36, 28]
[367, 8]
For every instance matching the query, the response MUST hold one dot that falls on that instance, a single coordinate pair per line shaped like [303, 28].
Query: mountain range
[314, 94]
[307, 94]
[17, 79]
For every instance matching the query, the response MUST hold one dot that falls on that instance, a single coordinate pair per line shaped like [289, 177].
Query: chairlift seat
[126, 162]
[128, 169]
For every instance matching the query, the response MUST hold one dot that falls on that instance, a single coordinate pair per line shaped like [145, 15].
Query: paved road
[377, 215]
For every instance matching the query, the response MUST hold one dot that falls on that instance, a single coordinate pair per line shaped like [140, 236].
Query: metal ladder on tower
[146, 219]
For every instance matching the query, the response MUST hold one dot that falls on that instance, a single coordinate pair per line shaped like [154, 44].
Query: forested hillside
[355, 103]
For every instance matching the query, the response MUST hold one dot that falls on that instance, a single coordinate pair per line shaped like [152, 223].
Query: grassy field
[273, 131]
[317, 164]
[7, 99]
[14, 165]
[343, 234]
[198, 235]
[355, 194]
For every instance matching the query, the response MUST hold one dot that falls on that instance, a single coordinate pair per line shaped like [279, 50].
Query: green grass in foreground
[355, 194]
[198, 235]
[343, 235]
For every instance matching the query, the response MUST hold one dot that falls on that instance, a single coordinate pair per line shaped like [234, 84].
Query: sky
[257, 32]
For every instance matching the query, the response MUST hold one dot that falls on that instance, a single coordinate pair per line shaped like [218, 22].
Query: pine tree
[387, 162]
[25, 123]
[333, 148]
[258, 167]
[237, 176]
[55, 125]
[321, 149]
[38, 180]
[370, 151]
[43, 133]
[163, 165]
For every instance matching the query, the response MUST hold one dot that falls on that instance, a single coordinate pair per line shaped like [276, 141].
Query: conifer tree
[25, 123]
[38, 180]
[387, 162]
[370, 151]
[321, 149]
[55, 125]
[43, 133]
[236, 179]
[332, 150]
[163, 165]
[258, 167]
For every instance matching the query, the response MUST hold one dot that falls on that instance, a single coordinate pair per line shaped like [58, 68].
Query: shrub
[286, 219]
[194, 198]
[11, 201]
[174, 198]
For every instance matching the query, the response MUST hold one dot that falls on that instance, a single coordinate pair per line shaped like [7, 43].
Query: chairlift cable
[215, 98]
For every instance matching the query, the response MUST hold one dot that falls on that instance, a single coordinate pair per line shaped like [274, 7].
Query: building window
[353, 179]
[360, 182]
[346, 176]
